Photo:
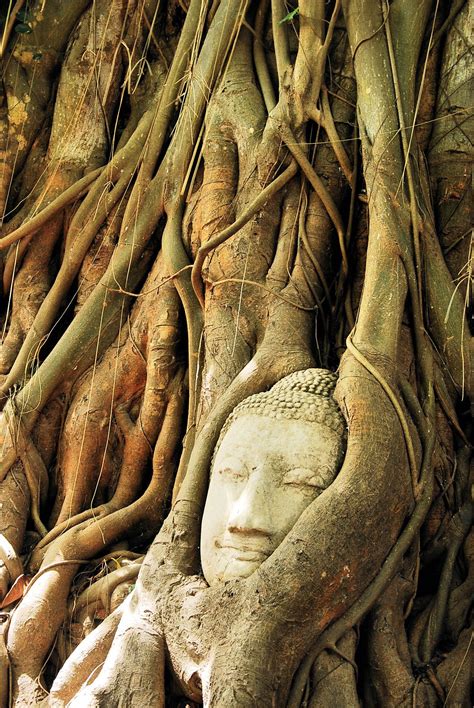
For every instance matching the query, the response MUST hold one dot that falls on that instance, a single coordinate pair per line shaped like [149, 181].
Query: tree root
[267, 193]
[9, 562]
[204, 149]
[88, 657]
[75, 191]
[101, 590]
[261, 66]
[14, 505]
[46, 602]
[378, 376]
[334, 676]
[352, 616]
[292, 144]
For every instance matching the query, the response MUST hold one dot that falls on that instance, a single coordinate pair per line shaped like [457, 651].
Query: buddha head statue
[276, 453]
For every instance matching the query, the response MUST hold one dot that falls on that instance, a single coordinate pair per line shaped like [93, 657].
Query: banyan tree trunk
[199, 198]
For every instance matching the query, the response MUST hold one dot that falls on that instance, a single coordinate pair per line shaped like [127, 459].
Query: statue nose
[250, 513]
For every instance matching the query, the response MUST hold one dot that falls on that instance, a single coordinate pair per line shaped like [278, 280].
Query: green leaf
[290, 16]
[23, 28]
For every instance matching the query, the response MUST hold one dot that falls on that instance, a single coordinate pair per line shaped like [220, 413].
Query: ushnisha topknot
[304, 395]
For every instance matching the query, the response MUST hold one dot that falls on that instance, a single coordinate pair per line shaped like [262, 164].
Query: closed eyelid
[237, 471]
[305, 476]
[229, 463]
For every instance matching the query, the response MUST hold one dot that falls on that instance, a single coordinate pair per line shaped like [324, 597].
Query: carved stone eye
[303, 477]
[233, 474]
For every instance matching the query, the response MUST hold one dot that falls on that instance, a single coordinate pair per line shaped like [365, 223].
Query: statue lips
[249, 550]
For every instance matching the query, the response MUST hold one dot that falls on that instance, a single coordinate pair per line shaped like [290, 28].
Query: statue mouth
[245, 551]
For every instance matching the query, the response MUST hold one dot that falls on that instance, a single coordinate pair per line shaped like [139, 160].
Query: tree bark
[197, 199]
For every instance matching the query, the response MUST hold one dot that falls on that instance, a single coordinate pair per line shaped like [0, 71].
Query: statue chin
[237, 567]
[264, 474]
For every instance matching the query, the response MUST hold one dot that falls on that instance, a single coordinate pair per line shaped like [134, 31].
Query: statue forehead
[250, 431]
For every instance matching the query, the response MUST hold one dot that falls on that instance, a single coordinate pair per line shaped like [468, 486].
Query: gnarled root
[81, 666]
[334, 675]
[14, 509]
[45, 603]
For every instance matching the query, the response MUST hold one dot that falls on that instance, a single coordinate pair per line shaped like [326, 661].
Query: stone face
[264, 474]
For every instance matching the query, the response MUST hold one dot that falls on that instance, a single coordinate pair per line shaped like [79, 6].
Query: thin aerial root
[35, 473]
[261, 65]
[274, 293]
[68, 196]
[10, 20]
[281, 40]
[337, 145]
[102, 589]
[318, 186]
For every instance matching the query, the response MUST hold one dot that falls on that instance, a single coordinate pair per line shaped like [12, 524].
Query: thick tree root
[82, 665]
[14, 505]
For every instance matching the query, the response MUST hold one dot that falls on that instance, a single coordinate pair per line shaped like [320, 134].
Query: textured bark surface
[197, 199]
